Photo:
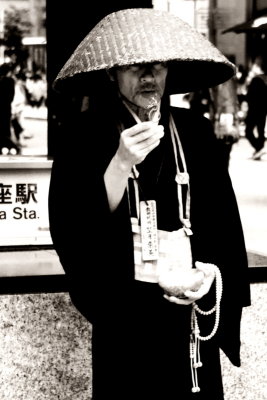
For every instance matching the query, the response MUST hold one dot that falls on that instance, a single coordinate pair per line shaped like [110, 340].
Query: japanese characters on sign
[149, 232]
[21, 194]
[24, 206]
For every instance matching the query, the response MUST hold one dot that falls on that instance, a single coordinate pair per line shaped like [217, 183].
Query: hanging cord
[195, 336]
[182, 179]
[134, 175]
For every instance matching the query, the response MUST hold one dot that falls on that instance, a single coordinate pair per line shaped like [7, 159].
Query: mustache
[148, 86]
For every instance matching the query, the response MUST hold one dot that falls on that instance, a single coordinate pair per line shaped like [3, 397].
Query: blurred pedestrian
[18, 106]
[257, 112]
[220, 105]
[36, 87]
[143, 216]
[241, 90]
[224, 115]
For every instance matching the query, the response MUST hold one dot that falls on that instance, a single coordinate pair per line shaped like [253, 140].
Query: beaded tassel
[195, 336]
[193, 362]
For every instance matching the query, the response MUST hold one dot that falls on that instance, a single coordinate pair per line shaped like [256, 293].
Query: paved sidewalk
[45, 350]
[249, 179]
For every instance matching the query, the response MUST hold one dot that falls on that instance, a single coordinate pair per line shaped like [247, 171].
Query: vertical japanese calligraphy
[149, 233]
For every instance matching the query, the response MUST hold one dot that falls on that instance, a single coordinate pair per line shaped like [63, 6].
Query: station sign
[24, 186]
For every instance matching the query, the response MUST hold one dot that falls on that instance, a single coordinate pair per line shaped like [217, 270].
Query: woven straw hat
[143, 35]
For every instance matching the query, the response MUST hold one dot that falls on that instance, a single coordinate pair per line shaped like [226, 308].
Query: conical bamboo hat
[144, 35]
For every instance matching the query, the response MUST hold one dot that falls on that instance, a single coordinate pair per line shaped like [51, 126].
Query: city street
[249, 181]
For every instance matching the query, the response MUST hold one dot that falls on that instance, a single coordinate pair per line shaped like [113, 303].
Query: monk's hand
[137, 142]
[192, 285]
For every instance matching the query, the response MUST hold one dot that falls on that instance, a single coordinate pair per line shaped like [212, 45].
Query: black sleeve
[86, 235]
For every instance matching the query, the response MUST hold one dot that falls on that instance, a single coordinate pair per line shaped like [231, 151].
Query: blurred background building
[213, 17]
[23, 32]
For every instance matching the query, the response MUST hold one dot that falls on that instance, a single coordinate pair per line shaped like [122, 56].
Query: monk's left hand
[190, 296]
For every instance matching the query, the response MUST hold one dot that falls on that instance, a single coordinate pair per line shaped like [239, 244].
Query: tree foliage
[16, 25]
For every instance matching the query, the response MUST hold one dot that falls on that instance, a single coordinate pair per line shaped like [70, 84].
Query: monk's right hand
[137, 142]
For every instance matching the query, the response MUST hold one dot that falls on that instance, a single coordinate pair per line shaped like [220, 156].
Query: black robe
[139, 338]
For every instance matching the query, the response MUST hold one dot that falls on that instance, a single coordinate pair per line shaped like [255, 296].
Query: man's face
[142, 84]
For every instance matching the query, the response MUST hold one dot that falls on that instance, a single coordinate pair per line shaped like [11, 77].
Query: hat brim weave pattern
[145, 35]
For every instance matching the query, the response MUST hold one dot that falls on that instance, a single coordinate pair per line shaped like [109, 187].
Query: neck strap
[182, 180]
